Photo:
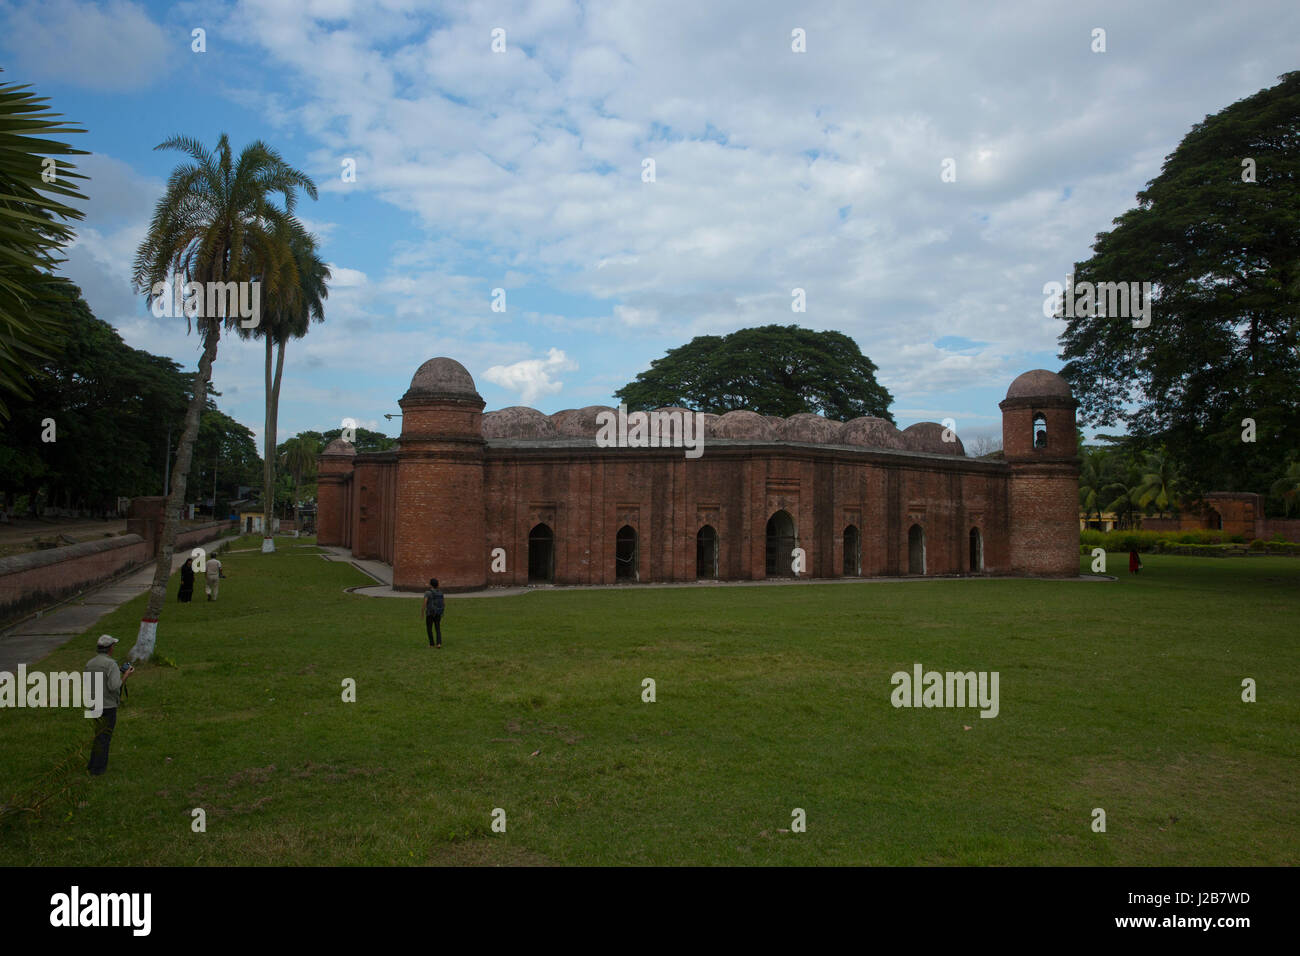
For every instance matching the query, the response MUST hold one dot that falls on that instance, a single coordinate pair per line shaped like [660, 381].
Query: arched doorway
[916, 550]
[852, 552]
[780, 542]
[976, 550]
[541, 555]
[625, 554]
[706, 553]
[1040, 430]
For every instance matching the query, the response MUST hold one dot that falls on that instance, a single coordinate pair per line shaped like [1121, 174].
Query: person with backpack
[432, 607]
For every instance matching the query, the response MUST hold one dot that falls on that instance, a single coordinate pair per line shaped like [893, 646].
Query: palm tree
[31, 233]
[1092, 479]
[1288, 486]
[1159, 478]
[1121, 491]
[288, 314]
[298, 458]
[215, 222]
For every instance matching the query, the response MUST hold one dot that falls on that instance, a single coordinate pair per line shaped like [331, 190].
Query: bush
[1259, 544]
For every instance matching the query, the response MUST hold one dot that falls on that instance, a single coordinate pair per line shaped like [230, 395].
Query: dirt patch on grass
[567, 734]
[485, 851]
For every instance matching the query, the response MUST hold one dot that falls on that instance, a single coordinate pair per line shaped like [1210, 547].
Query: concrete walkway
[29, 641]
[383, 574]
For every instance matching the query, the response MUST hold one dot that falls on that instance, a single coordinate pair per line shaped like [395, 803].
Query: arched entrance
[625, 554]
[852, 552]
[780, 542]
[706, 553]
[541, 555]
[916, 550]
[976, 550]
[1040, 430]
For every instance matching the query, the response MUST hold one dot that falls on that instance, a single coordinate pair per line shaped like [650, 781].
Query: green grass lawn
[1124, 696]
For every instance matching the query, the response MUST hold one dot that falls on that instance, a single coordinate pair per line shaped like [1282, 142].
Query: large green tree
[298, 458]
[772, 370]
[363, 439]
[1218, 235]
[217, 222]
[34, 227]
[225, 459]
[94, 425]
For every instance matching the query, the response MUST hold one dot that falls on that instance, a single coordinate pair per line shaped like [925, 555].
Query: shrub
[1259, 544]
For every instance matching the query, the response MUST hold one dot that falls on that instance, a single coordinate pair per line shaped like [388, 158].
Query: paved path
[383, 574]
[34, 638]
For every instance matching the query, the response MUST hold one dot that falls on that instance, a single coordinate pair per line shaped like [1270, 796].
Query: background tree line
[112, 407]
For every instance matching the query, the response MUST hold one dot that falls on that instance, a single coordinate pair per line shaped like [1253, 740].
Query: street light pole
[167, 465]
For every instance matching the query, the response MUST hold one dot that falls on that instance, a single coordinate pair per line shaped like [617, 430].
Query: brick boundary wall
[40, 578]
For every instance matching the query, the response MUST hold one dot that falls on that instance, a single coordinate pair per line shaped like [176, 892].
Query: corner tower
[439, 528]
[333, 493]
[1041, 447]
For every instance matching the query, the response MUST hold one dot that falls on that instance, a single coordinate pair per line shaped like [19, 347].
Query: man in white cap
[113, 677]
[214, 577]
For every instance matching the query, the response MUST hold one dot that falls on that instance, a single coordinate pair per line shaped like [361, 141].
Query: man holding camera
[114, 676]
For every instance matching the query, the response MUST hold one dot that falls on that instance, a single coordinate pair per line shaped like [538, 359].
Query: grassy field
[1124, 696]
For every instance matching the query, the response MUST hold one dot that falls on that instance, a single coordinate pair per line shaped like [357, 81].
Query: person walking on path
[187, 582]
[432, 607]
[214, 577]
[114, 676]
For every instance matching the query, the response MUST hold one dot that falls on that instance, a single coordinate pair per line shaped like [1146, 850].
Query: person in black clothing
[187, 582]
[433, 606]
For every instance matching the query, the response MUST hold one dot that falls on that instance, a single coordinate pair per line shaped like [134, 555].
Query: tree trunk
[275, 403]
[145, 640]
[268, 460]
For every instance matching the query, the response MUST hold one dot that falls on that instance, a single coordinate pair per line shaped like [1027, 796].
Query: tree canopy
[111, 407]
[1217, 233]
[772, 370]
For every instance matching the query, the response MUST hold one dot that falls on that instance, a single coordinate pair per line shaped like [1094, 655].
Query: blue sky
[522, 170]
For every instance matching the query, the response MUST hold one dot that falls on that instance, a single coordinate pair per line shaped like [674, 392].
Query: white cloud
[531, 378]
[108, 46]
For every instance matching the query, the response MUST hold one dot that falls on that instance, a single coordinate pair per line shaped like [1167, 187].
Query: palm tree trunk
[275, 405]
[268, 461]
[145, 639]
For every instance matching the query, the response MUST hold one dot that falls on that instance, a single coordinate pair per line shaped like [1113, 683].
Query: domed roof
[871, 432]
[443, 376]
[578, 422]
[1039, 383]
[339, 447]
[742, 425]
[928, 436]
[807, 427]
[518, 421]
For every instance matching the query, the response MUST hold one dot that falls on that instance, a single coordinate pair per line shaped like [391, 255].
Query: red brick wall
[334, 500]
[586, 495]
[450, 499]
[32, 580]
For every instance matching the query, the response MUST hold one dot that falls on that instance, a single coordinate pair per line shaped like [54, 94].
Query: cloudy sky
[522, 170]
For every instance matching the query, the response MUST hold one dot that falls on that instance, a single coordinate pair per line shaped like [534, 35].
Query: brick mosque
[514, 497]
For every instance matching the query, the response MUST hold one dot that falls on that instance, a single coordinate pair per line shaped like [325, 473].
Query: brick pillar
[440, 529]
[144, 517]
[1041, 447]
[333, 474]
